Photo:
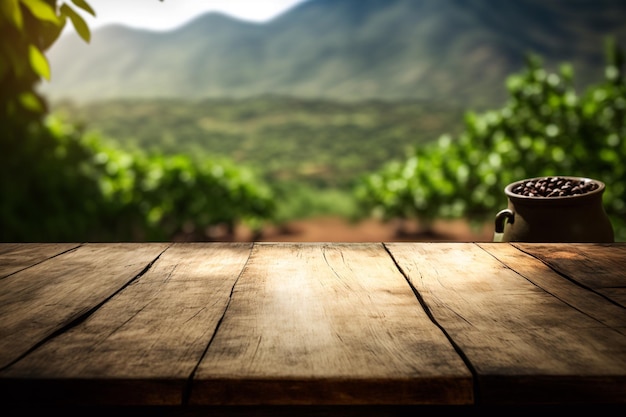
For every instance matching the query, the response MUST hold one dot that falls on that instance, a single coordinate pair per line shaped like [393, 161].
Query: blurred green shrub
[544, 128]
[60, 183]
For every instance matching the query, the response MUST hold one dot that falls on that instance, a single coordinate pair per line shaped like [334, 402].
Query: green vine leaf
[42, 10]
[85, 6]
[30, 102]
[78, 22]
[38, 62]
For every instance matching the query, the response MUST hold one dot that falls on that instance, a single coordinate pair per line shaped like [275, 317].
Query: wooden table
[192, 327]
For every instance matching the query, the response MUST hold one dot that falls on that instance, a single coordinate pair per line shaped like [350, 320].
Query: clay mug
[567, 217]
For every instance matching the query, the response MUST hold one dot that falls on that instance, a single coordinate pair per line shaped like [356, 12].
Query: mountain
[458, 51]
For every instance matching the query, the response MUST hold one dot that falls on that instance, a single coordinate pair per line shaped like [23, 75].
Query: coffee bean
[554, 187]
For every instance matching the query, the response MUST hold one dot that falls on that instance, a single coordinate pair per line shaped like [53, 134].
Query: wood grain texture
[525, 345]
[38, 301]
[141, 347]
[560, 285]
[283, 326]
[328, 324]
[17, 256]
[600, 267]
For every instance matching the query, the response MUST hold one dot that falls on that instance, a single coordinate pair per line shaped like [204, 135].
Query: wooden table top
[312, 323]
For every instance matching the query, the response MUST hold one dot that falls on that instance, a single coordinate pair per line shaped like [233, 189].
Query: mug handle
[503, 217]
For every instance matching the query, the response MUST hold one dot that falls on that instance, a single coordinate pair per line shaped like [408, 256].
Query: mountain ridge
[458, 51]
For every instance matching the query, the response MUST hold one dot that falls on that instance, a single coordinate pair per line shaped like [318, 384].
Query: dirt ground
[336, 229]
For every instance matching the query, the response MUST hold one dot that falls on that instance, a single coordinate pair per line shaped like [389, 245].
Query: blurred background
[319, 120]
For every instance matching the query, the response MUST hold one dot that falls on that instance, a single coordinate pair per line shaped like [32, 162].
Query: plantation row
[544, 129]
[318, 142]
[59, 182]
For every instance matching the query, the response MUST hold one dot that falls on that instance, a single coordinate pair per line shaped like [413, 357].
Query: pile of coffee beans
[554, 187]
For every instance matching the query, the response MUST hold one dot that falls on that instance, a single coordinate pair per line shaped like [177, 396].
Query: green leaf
[38, 62]
[85, 6]
[78, 22]
[31, 102]
[41, 10]
[11, 10]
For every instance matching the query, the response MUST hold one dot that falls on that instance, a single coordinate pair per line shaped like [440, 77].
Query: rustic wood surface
[521, 339]
[324, 324]
[591, 266]
[17, 256]
[333, 323]
[39, 301]
[142, 345]
[567, 282]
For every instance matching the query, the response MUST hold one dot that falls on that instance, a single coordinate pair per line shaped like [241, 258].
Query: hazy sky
[168, 14]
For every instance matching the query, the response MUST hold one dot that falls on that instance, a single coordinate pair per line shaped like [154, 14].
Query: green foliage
[319, 143]
[300, 200]
[43, 194]
[545, 128]
[59, 183]
[27, 29]
[178, 195]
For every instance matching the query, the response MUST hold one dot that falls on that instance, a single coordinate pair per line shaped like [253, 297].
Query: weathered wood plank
[17, 256]
[601, 267]
[328, 324]
[140, 347]
[534, 270]
[525, 345]
[38, 301]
